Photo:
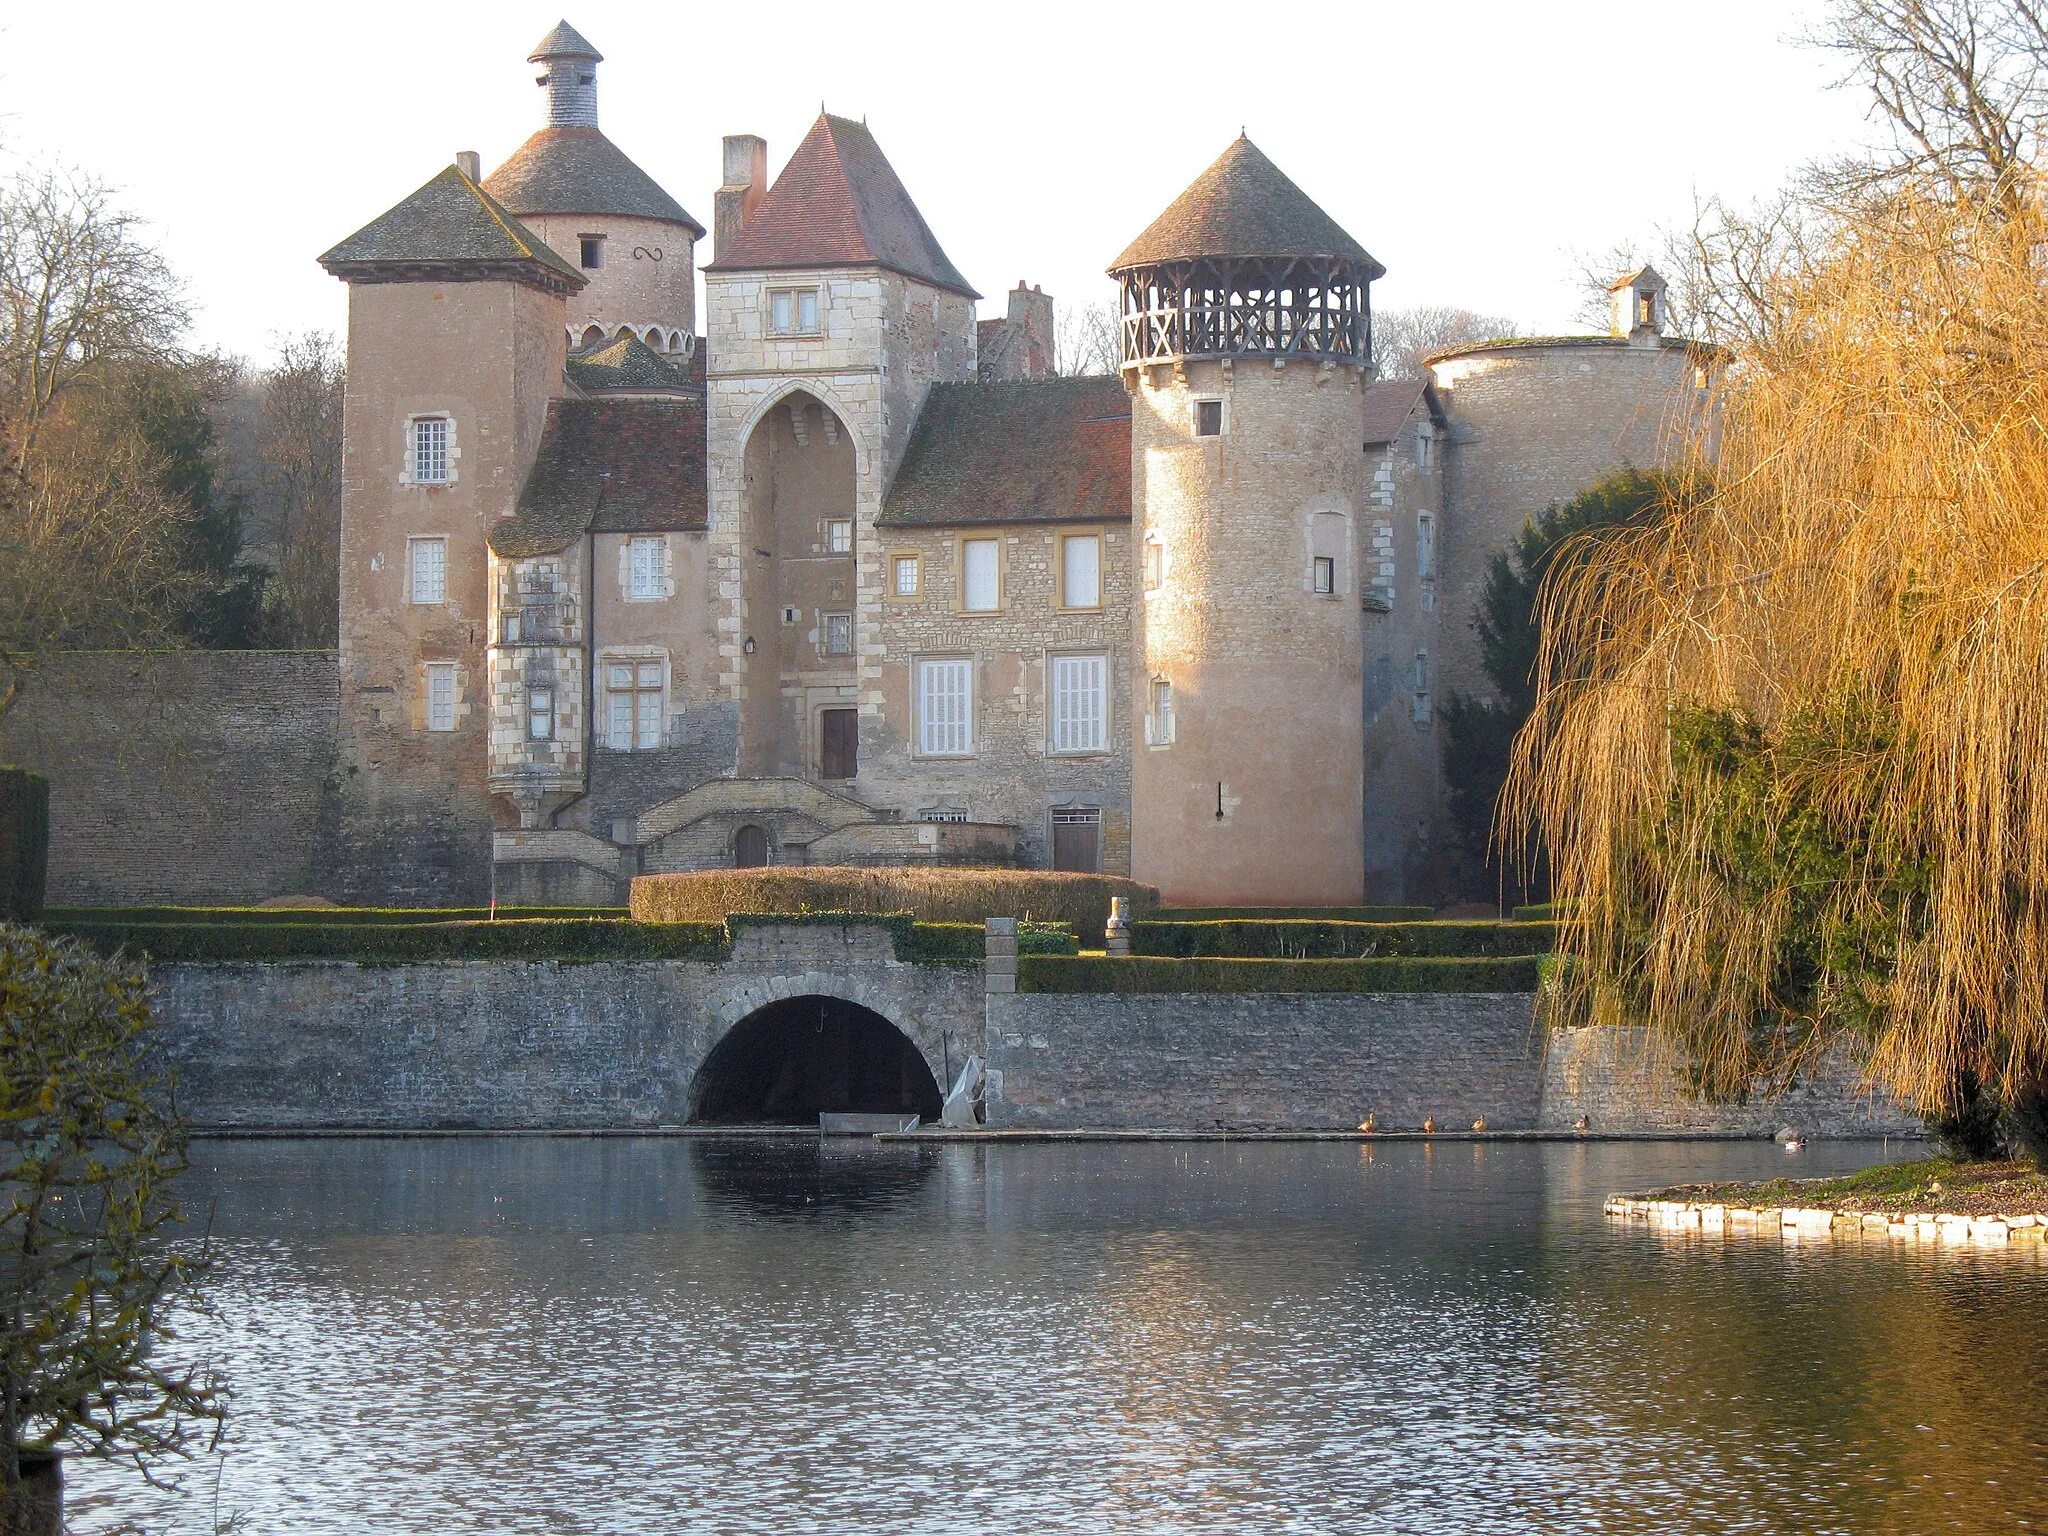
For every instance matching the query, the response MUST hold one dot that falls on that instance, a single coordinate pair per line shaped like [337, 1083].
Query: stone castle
[839, 572]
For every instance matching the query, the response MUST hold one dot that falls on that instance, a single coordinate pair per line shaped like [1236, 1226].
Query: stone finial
[571, 78]
[1116, 933]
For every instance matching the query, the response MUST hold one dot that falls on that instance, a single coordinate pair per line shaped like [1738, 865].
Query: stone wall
[202, 776]
[1249, 1062]
[508, 1046]
[1013, 775]
[1619, 1082]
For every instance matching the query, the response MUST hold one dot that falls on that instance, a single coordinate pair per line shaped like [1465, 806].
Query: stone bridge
[806, 1017]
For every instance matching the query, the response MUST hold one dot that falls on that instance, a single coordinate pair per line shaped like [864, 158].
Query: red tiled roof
[839, 203]
[1029, 451]
[618, 466]
[1388, 405]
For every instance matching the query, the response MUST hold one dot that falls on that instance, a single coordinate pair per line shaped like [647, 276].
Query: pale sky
[1471, 145]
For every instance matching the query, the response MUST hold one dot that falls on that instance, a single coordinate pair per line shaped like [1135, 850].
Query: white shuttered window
[1081, 572]
[978, 584]
[441, 696]
[429, 570]
[648, 568]
[1080, 696]
[945, 708]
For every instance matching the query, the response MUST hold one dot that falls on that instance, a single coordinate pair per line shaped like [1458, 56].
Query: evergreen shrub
[1095, 973]
[929, 895]
[24, 844]
[1283, 914]
[1300, 940]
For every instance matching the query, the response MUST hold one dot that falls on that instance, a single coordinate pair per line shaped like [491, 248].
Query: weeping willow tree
[1790, 747]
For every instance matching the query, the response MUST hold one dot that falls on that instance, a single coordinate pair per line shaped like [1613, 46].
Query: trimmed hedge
[24, 844]
[1288, 914]
[321, 916]
[1093, 973]
[1294, 939]
[566, 939]
[1541, 912]
[571, 939]
[930, 895]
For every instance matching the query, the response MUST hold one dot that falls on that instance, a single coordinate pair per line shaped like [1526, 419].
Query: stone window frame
[429, 671]
[917, 691]
[794, 293]
[411, 445]
[832, 525]
[825, 627]
[634, 656]
[541, 702]
[916, 559]
[1108, 717]
[960, 543]
[1060, 542]
[665, 579]
[1195, 403]
[1153, 566]
[588, 245]
[1425, 448]
[1158, 735]
[414, 542]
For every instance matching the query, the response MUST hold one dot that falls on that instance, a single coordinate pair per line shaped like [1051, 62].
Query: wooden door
[1077, 841]
[838, 745]
[750, 848]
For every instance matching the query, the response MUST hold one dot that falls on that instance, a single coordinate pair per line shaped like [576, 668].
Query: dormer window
[592, 251]
[792, 311]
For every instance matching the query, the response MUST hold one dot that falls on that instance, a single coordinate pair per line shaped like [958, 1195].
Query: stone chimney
[571, 78]
[1031, 312]
[746, 182]
[466, 161]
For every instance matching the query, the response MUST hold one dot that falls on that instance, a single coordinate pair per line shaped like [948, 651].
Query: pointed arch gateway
[796, 1058]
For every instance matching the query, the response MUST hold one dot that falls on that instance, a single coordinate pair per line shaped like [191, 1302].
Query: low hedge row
[1094, 973]
[1286, 914]
[930, 895]
[1296, 939]
[1540, 912]
[320, 916]
[569, 939]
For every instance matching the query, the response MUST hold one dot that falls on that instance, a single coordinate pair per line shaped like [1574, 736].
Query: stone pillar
[1116, 933]
[999, 967]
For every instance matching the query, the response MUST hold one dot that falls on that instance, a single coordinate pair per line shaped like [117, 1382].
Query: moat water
[629, 1337]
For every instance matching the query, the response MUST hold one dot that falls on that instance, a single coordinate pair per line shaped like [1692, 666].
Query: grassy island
[1992, 1188]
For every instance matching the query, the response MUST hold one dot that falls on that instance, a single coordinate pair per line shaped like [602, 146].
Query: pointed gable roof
[451, 227]
[574, 169]
[565, 42]
[1243, 205]
[839, 203]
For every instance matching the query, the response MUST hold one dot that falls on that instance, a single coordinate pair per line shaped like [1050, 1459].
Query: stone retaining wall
[1248, 1061]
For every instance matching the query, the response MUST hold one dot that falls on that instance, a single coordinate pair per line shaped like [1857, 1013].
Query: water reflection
[532, 1335]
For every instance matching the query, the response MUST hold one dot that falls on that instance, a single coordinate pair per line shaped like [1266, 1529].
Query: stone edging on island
[1802, 1221]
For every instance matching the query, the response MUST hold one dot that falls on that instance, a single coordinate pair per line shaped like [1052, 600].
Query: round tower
[600, 212]
[1247, 346]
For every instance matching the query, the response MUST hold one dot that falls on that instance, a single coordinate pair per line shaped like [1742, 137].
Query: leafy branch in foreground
[91, 1286]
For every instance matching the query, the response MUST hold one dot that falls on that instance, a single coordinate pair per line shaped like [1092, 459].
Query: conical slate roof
[565, 169]
[839, 203]
[450, 220]
[565, 42]
[1243, 205]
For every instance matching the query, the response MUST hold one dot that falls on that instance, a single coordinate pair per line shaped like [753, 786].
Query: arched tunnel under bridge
[793, 1060]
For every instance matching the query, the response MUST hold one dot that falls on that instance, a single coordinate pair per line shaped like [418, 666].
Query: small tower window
[430, 450]
[1326, 575]
[540, 714]
[905, 581]
[592, 251]
[1159, 716]
[1646, 306]
[839, 536]
[428, 562]
[1425, 448]
[440, 695]
[1425, 546]
[839, 637]
[792, 311]
[1208, 418]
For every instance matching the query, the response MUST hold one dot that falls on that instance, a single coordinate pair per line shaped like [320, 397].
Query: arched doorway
[749, 847]
[793, 1060]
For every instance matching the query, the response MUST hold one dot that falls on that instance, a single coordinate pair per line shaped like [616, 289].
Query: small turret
[571, 78]
[1637, 305]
